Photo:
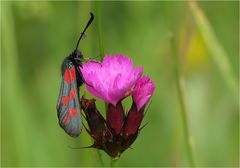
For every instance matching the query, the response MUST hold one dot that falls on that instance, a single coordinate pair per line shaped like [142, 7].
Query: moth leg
[85, 60]
[82, 78]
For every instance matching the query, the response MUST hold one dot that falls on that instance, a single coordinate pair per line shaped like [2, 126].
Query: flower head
[111, 80]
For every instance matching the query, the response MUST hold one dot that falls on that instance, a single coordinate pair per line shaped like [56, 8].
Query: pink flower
[113, 79]
[143, 92]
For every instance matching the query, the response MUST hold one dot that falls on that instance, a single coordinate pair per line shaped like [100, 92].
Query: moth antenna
[89, 22]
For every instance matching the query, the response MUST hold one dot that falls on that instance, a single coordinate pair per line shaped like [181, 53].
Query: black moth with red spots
[68, 105]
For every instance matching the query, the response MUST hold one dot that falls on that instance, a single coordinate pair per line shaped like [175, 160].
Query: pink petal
[143, 92]
[112, 79]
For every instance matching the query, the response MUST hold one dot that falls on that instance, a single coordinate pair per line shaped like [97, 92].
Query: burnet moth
[68, 104]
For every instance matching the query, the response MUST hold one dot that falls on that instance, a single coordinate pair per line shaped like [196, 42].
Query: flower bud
[143, 92]
[115, 116]
[133, 121]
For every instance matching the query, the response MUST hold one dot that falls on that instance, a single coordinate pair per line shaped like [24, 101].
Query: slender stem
[114, 162]
[180, 90]
[100, 158]
[99, 28]
[101, 54]
[216, 50]
[100, 37]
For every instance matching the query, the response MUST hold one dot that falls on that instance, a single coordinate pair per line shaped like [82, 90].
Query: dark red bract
[115, 133]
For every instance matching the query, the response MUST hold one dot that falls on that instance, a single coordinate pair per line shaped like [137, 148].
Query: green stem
[100, 37]
[114, 162]
[216, 50]
[99, 28]
[101, 54]
[180, 90]
[100, 158]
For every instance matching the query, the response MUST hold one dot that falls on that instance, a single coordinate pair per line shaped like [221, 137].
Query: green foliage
[36, 36]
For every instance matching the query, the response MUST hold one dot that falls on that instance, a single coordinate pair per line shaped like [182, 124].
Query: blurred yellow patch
[197, 52]
[193, 50]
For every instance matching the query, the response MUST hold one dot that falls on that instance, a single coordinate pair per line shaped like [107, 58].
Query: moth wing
[68, 107]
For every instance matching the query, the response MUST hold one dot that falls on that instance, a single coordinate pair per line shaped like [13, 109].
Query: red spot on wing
[65, 100]
[73, 93]
[73, 112]
[66, 119]
[70, 75]
[67, 77]
[73, 73]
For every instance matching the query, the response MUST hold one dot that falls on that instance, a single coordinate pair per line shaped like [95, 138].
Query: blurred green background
[36, 36]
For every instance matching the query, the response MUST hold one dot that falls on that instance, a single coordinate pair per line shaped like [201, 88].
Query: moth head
[78, 57]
